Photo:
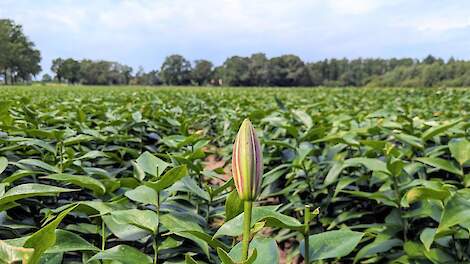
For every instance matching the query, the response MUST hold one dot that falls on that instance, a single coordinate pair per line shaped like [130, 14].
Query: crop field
[143, 175]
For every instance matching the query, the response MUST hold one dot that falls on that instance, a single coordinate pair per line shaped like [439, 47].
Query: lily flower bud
[247, 162]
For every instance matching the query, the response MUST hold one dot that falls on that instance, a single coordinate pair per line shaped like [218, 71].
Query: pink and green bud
[247, 162]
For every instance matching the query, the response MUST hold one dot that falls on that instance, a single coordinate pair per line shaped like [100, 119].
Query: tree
[202, 72]
[236, 71]
[70, 70]
[19, 60]
[429, 59]
[56, 68]
[46, 78]
[176, 70]
[288, 70]
[259, 69]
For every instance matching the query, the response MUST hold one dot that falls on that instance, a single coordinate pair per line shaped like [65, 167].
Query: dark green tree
[202, 72]
[19, 59]
[176, 70]
[236, 71]
[288, 70]
[56, 68]
[70, 70]
[259, 69]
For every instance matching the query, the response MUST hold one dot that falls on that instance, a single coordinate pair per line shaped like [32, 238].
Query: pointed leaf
[3, 164]
[143, 194]
[460, 150]
[151, 164]
[169, 178]
[83, 181]
[144, 219]
[30, 190]
[45, 237]
[124, 254]
[332, 244]
[441, 164]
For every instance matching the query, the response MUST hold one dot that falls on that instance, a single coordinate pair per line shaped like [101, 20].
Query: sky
[144, 32]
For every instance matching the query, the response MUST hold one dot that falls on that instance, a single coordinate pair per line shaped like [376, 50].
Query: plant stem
[103, 239]
[307, 218]
[398, 195]
[155, 241]
[248, 205]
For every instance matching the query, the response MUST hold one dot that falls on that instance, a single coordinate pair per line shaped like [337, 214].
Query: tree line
[259, 70]
[20, 62]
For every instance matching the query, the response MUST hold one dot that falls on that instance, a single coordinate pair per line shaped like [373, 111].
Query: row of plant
[136, 175]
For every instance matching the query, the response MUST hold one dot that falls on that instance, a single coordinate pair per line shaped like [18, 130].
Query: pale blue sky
[143, 32]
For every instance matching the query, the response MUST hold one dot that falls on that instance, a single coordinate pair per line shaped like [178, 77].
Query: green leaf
[45, 237]
[370, 164]
[11, 254]
[233, 205]
[169, 178]
[333, 173]
[419, 193]
[226, 259]
[191, 184]
[143, 194]
[379, 245]
[83, 181]
[427, 237]
[441, 164]
[19, 174]
[3, 164]
[139, 173]
[410, 140]
[377, 196]
[53, 258]
[39, 164]
[189, 260]
[303, 117]
[151, 164]
[434, 131]
[214, 243]
[31, 190]
[67, 241]
[266, 248]
[460, 150]
[123, 254]
[180, 224]
[234, 227]
[93, 155]
[332, 244]
[144, 219]
[169, 242]
[125, 232]
[456, 211]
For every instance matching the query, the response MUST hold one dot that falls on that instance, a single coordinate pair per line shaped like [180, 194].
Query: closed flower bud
[247, 162]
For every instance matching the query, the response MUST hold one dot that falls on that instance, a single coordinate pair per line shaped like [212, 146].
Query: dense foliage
[90, 174]
[286, 70]
[19, 59]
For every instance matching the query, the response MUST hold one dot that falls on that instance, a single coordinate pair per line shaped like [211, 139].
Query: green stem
[103, 238]
[307, 218]
[155, 241]
[248, 205]
[396, 186]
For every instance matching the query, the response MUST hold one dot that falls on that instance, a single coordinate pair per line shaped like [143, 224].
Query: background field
[388, 164]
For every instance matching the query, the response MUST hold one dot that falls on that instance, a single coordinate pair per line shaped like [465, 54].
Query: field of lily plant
[180, 175]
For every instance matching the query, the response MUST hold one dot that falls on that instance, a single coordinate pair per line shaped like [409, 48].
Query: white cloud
[355, 7]
[441, 23]
[142, 32]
